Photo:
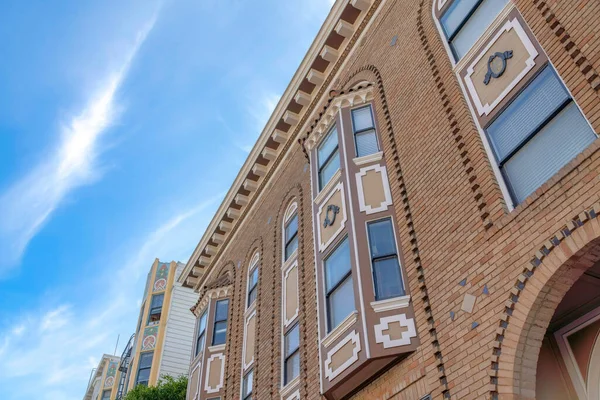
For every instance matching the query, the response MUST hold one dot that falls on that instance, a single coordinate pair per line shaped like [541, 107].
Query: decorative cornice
[350, 99]
[210, 294]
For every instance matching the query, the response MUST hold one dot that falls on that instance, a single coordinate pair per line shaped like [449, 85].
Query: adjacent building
[103, 384]
[162, 342]
[418, 219]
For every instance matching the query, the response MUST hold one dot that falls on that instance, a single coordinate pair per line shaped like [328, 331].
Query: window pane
[555, 145]
[157, 301]
[337, 265]
[292, 368]
[221, 310]
[252, 296]
[200, 344]
[456, 14]
[476, 25]
[146, 360]
[291, 247]
[291, 228]
[253, 277]
[143, 375]
[106, 395]
[530, 109]
[366, 143]
[292, 340]
[220, 333]
[328, 145]
[341, 303]
[329, 170]
[202, 324]
[388, 279]
[362, 119]
[248, 384]
[381, 238]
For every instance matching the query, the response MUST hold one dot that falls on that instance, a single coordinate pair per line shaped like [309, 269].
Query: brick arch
[531, 303]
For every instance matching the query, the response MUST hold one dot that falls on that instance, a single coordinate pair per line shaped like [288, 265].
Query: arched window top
[254, 261]
[289, 212]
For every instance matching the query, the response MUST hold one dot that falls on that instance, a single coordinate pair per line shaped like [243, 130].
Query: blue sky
[122, 125]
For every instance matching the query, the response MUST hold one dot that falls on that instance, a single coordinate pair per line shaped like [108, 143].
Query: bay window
[201, 339]
[220, 325]
[363, 127]
[384, 260]
[339, 286]
[329, 157]
[144, 367]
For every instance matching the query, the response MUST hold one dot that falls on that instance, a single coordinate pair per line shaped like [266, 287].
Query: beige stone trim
[354, 339]
[362, 194]
[339, 188]
[371, 158]
[210, 386]
[214, 349]
[386, 340]
[290, 391]
[339, 330]
[390, 304]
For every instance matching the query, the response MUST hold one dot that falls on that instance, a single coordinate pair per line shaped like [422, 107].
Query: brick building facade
[420, 215]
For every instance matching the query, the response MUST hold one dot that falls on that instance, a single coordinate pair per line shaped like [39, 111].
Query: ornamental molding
[512, 24]
[395, 303]
[384, 325]
[351, 99]
[367, 208]
[340, 329]
[353, 337]
[210, 294]
[338, 188]
[207, 387]
[287, 320]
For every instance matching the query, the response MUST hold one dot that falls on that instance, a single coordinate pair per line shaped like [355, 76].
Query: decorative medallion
[330, 218]
[497, 65]
[160, 281]
[149, 339]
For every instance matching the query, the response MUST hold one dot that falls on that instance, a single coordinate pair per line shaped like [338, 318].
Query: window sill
[214, 349]
[287, 391]
[359, 161]
[291, 260]
[340, 329]
[390, 304]
[330, 185]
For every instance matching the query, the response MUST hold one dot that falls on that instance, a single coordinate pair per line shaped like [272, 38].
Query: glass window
[106, 395]
[338, 285]
[252, 285]
[363, 127]
[145, 364]
[201, 333]
[466, 20]
[291, 236]
[247, 385]
[155, 309]
[329, 158]
[292, 355]
[220, 327]
[537, 134]
[384, 260]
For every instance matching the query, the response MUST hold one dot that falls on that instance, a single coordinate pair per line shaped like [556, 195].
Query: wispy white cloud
[47, 353]
[27, 205]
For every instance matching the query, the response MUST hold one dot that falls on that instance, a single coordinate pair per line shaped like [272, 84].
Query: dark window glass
[252, 285]
[291, 354]
[364, 131]
[291, 236]
[537, 134]
[155, 308]
[106, 395]
[220, 327]
[338, 285]
[329, 158]
[466, 20]
[384, 260]
[247, 385]
[201, 333]
[145, 364]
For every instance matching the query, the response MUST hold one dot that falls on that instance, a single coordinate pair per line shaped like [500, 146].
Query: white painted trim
[441, 3]
[353, 337]
[294, 396]
[287, 389]
[287, 321]
[513, 24]
[329, 186]
[371, 158]
[361, 297]
[213, 349]
[383, 325]
[562, 336]
[217, 388]
[197, 367]
[338, 188]
[289, 212]
[246, 322]
[253, 263]
[386, 189]
[339, 330]
[395, 303]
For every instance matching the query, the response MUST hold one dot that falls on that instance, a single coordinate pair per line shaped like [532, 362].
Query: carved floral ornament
[351, 99]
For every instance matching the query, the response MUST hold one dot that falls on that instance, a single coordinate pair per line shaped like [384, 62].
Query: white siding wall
[179, 334]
